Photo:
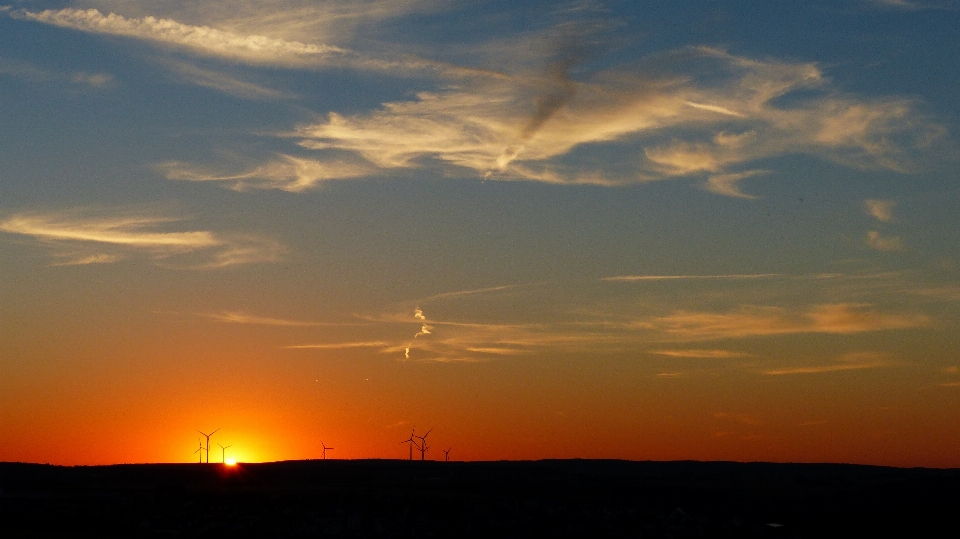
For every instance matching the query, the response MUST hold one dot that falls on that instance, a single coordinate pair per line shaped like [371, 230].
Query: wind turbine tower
[423, 444]
[208, 442]
[412, 442]
[325, 449]
[199, 449]
[223, 448]
[446, 454]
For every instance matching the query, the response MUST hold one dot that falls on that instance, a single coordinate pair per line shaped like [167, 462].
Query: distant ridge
[473, 499]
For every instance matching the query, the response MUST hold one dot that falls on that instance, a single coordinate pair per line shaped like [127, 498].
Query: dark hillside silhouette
[386, 498]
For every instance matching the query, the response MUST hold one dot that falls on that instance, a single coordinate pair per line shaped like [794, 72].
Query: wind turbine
[325, 449]
[423, 444]
[208, 442]
[199, 449]
[224, 455]
[412, 442]
[446, 454]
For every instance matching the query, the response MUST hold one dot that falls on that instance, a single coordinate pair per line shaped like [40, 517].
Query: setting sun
[230, 462]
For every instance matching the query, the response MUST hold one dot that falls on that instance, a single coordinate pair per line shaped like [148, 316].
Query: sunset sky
[712, 230]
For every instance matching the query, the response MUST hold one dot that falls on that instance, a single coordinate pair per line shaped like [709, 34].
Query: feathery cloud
[330, 21]
[338, 346]
[223, 82]
[672, 122]
[241, 317]
[848, 362]
[839, 318]
[243, 42]
[285, 172]
[907, 5]
[203, 40]
[699, 353]
[735, 276]
[73, 234]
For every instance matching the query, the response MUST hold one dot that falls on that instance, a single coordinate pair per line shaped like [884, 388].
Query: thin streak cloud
[255, 49]
[849, 362]
[479, 291]
[839, 318]
[223, 82]
[199, 39]
[734, 276]
[700, 353]
[338, 346]
[72, 234]
[284, 172]
[241, 317]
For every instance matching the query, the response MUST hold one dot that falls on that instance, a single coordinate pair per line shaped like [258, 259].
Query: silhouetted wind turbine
[199, 449]
[411, 442]
[208, 442]
[324, 450]
[224, 456]
[446, 454]
[423, 444]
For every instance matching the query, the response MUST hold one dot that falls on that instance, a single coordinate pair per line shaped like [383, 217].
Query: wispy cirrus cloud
[733, 276]
[203, 40]
[916, 5]
[481, 291]
[260, 38]
[81, 237]
[695, 112]
[848, 362]
[242, 317]
[223, 82]
[755, 321]
[700, 353]
[331, 21]
[285, 172]
[339, 346]
[667, 123]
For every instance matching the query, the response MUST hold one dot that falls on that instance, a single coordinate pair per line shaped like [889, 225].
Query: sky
[708, 229]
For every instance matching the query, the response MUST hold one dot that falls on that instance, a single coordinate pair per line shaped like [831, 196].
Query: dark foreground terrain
[381, 498]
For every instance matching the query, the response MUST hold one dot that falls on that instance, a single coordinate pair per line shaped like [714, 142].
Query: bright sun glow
[231, 462]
